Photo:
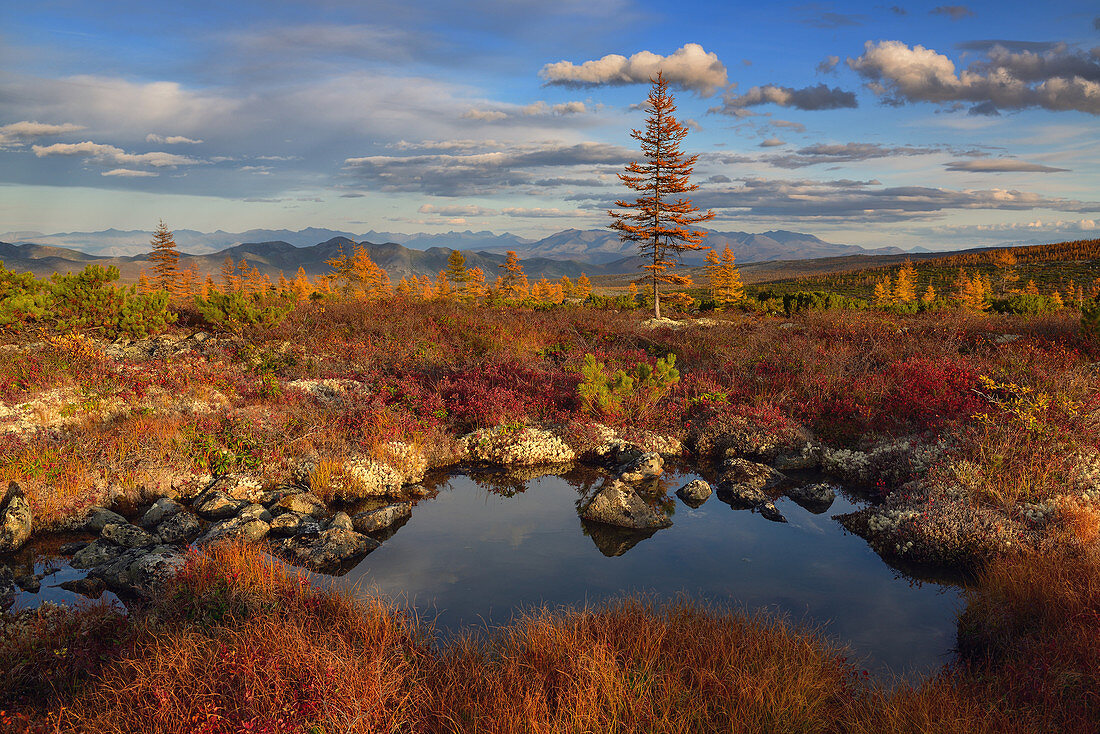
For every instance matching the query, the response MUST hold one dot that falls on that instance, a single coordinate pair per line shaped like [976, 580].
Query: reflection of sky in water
[470, 557]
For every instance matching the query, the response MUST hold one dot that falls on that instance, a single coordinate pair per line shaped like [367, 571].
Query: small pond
[482, 549]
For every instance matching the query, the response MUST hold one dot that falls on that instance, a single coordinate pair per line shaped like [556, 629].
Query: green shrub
[1025, 304]
[605, 395]
[803, 301]
[235, 311]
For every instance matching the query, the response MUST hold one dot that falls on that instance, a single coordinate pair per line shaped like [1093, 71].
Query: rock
[90, 587]
[28, 582]
[303, 503]
[616, 503]
[613, 541]
[374, 520]
[770, 512]
[68, 549]
[235, 528]
[750, 473]
[741, 496]
[817, 498]
[1001, 339]
[95, 553]
[646, 466]
[340, 520]
[16, 519]
[126, 535]
[217, 505]
[7, 588]
[290, 523]
[255, 512]
[161, 510]
[694, 493]
[179, 528]
[140, 572]
[333, 551]
[99, 517]
[807, 458]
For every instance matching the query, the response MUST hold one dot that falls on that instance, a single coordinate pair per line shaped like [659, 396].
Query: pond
[483, 549]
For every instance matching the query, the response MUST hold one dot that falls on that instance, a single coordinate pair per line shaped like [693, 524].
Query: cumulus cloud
[798, 127]
[828, 64]
[1001, 165]
[689, 67]
[819, 97]
[171, 139]
[846, 200]
[1058, 79]
[110, 154]
[954, 12]
[772, 143]
[535, 109]
[128, 173]
[18, 133]
[457, 210]
[449, 174]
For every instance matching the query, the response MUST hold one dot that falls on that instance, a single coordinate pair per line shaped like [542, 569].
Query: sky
[876, 124]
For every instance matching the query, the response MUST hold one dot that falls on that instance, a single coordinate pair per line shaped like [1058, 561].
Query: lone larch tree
[164, 258]
[661, 226]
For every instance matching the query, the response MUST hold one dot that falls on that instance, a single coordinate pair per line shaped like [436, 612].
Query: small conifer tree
[164, 258]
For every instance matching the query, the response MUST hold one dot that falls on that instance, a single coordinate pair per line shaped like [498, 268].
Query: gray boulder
[126, 535]
[235, 528]
[816, 498]
[374, 520]
[616, 503]
[291, 523]
[217, 505]
[16, 519]
[750, 473]
[255, 512]
[694, 493]
[332, 551]
[95, 553]
[99, 517]
[741, 496]
[179, 528]
[138, 571]
[161, 510]
[646, 466]
[341, 521]
[303, 503]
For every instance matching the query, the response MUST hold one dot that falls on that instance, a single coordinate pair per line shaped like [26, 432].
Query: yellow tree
[660, 226]
[566, 287]
[443, 290]
[514, 281]
[905, 289]
[883, 290]
[456, 269]
[230, 282]
[301, 286]
[186, 285]
[583, 287]
[929, 295]
[724, 278]
[365, 278]
[474, 288]
[164, 258]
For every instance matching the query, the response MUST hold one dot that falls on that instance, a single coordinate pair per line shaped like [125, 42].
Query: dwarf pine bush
[1090, 319]
[235, 311]
[606, 395]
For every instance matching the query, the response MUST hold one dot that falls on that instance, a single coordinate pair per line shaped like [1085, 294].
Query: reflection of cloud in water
[473, 556]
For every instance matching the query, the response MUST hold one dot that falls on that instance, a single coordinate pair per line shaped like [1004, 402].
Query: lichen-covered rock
[750, 473]
[126, 535]
[254, 512]
[139, 571]
[616, 503]
[816, 498]
[16, 520]
[97, 518]
[741, 496]
[340, 520]
[804, 458]
[95, 553]
[291, 523]
[217, 505]
[381, 518]
[161, 510]
[694, 493]
[239, 487]
[525, 446]
[646, 466]
[247, 529]
[303, 503]
[332, 551]
[178, 528]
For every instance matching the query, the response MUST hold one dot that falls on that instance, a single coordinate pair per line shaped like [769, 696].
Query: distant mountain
[598, 246]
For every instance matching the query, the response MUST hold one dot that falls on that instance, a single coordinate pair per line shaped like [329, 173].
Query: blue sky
[875, 124]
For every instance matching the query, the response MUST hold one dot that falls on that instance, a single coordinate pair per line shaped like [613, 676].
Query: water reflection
[487, 545]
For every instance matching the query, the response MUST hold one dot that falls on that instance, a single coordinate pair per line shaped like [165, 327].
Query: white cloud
[128, 173]
[1001, 165]
[458, 210]
[690, 67]
[772, 143]
[110, 154]
[17, 133]
[170, 140]
[1059, 79]
[541, 213]
[819, 97]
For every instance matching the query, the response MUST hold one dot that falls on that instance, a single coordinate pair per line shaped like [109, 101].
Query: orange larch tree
[661, 227]
[164, 258]
[514, 284]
